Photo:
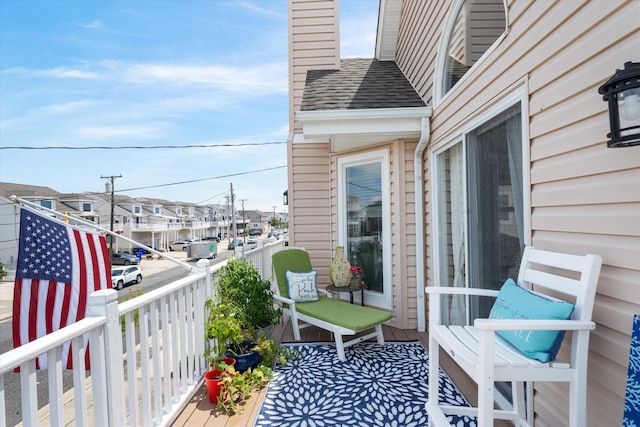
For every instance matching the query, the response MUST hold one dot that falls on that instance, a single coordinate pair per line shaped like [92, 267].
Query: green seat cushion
[341, 313]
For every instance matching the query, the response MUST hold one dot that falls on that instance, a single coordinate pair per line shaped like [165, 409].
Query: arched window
[473, 28]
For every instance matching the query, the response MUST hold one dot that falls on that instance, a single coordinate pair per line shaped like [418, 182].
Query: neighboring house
[152, 222]
[476, 129]
[258, 220]
[10, 214]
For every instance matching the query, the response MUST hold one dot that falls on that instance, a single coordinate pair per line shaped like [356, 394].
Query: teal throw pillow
[302, 286]
[515, 302]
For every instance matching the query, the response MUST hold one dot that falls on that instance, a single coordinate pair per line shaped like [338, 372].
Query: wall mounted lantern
[285, 197]
[622, 92]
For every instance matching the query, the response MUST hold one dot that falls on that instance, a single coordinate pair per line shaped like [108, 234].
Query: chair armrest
[533, 325]
[284, 300]
[448, 290]
[325, 292]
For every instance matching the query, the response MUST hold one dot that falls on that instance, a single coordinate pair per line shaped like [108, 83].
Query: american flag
[58, 267]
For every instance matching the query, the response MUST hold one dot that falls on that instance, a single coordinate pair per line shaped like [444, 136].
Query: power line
[202, 179]
[138, 147]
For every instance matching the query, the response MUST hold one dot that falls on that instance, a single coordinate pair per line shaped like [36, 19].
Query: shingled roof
[359, 84]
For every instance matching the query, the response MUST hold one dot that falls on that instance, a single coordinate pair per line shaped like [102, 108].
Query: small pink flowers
[355, 270]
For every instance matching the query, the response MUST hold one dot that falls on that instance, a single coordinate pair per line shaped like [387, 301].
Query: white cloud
[95, 24]
[261, 78]
[108, 132]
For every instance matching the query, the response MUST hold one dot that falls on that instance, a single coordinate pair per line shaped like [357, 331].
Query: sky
[184, 73]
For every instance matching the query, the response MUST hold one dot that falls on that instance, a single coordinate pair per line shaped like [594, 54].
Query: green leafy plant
[286, 354]
[223, 327]
[3, 272]
[240, 285]
[236, 387]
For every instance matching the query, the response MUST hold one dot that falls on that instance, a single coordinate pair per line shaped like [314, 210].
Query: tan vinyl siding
[310, 229]
[313, 45]
[584, 196]
[403, 236]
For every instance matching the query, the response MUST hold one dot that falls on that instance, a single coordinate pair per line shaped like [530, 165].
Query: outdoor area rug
[378, 385]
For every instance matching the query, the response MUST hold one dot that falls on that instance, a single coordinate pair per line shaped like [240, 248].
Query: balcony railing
[147, 356]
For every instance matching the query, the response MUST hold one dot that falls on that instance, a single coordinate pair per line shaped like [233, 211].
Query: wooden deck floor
[199, 412]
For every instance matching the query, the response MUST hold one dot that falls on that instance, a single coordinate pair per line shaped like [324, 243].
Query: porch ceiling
[348, 129]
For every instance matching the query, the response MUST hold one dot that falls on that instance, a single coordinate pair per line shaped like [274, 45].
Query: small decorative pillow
[302, 286]
[515, 302]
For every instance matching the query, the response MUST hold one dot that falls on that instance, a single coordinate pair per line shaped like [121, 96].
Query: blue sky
[149, 73]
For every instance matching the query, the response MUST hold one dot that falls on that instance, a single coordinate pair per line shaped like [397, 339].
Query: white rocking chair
[487, 357]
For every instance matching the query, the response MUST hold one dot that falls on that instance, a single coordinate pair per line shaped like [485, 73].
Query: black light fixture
[622, 92]
[285, 197]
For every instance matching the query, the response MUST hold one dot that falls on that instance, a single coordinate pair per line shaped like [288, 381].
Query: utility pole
[233, 217]
[228, 224]
[244, 226]
[274, 219]
[109, 187]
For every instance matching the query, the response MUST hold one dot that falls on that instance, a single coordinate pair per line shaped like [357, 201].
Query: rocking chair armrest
[448, 290]
[533, 324]
[325, 292]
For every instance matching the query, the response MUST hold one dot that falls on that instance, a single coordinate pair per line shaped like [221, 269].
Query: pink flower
[355, 269]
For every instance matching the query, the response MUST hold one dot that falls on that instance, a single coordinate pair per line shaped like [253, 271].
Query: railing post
[263, 256]
[202, 266]
[105, 303]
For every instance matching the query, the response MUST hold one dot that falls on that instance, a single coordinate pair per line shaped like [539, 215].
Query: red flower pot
[212, 381]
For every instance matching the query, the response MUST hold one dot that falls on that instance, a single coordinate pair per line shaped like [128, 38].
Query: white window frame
[438, 92]
[377, 299]
[518, 95]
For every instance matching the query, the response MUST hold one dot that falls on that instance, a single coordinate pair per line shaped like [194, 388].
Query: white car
[122, 276]
[252, 240]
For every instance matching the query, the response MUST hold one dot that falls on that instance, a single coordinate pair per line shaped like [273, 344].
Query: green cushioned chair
[331, 314]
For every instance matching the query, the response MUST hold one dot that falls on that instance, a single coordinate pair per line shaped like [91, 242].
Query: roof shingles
[359, 84]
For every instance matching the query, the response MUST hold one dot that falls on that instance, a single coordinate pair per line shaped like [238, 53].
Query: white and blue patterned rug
[632, 398]
[377, 386]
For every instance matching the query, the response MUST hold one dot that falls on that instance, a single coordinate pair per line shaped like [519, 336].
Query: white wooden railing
[147, 356]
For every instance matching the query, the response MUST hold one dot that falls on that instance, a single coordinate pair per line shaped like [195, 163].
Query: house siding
[584, 196]
[310, 208]
[313, 45]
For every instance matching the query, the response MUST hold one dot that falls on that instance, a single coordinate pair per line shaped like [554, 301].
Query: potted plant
[230, 383]
[222, 328]
[240, 285]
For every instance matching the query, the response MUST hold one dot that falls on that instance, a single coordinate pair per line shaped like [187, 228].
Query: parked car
[122, 276]
[211, 238]
[231, 245]
[252, 240]
[180, 245]
[124, 259]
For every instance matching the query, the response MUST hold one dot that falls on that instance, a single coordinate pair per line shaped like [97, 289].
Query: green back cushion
[515, 302]
[296, 260]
